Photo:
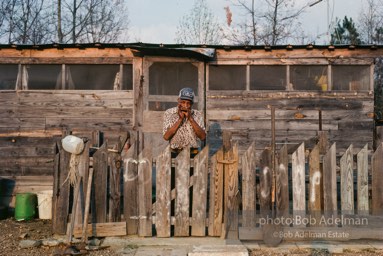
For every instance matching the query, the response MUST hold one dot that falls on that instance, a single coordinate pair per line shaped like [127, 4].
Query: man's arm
[172, 130]
[201, 134]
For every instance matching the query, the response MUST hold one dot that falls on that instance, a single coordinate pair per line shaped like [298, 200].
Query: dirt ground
[12, 232]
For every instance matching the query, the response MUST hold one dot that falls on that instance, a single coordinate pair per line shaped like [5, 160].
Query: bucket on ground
[25, 206]
[44, 204]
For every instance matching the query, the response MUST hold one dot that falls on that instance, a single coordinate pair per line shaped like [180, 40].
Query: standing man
[183, 126]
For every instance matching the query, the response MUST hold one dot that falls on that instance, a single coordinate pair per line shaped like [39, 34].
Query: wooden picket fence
[224, 195]
[314, 197]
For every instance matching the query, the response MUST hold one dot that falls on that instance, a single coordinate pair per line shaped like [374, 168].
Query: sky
[155, 21]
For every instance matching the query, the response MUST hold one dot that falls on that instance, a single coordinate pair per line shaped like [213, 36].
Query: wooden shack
[269, 94]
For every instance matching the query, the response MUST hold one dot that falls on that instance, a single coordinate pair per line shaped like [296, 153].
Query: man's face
[184, 105]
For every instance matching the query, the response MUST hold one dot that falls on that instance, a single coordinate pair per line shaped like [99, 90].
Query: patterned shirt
[185, 134]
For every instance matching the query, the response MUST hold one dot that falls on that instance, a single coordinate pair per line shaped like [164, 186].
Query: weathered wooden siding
[32, 122]
[346, 116]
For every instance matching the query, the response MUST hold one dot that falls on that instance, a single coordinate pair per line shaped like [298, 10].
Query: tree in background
[90, 21]
[267, 21]
[24, 22]
[345, 32]
[371, 22]
[199, 26]
[63, 21]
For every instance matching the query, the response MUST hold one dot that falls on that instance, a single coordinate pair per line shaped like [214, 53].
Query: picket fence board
[163, 193]
[329, 182]
[347, 182]
[145, 192]
[100, 177]
[216, 194]
[181, 208]
[298, 176]
[199, 205]
[362, 181]
[248, 187]
[131, 201]
[265, 177]
[377, 177]
[282, 183]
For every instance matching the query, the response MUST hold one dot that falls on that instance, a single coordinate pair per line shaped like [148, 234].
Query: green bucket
[25, 207]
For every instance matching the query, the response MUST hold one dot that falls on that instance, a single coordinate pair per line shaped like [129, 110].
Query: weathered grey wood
[265, 177]
[56, 185]
[131, 199]
[199, 205]
[362, 181]
[83, 169]
[323, 142]
[145, 192]
[216, 194]
[377, 177]
[315, 184]
[298, 181]
[114, 159]
[60, 220]
[329, 182]
[347, 182]
[100, 170]
[248, 187]
[181, 207]
[282, 183]
[163, 190]
[230, 161]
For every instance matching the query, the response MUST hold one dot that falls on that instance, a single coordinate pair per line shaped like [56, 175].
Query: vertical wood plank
[362, 183]
[315, 184]
[198, 225]
[216, 194]
[329, 182]
[145, 192]
[265, 177]
[60, 221]
[163, 193]
[298, 182]
[181, 206]
[114, 185]
[131, 190]
[83, 170]
[100, 170]
[377, 177]
[347, 182]
[322, 142]
[230, 227]
[282, 183]
[56, 176]
[248, 187]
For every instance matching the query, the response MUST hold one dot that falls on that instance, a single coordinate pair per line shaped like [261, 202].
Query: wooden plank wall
[33, 121]
[345, 116]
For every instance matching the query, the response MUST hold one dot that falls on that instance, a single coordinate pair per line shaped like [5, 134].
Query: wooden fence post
[163, 193]
[298, 180]
[347, 182]
[329, 182]
[131, 199]
[198, 224]
[282, 183]
[145, 192]
[362, 169]
[181, 205]
[315, 184]
[230, 215]
[377, 177]
[216, 194]
[248, 187]
[100, 169]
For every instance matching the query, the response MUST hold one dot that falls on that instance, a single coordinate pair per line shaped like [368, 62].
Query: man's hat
[187, 94]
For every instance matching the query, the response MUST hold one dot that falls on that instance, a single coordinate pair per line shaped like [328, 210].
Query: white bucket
[44, 203]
